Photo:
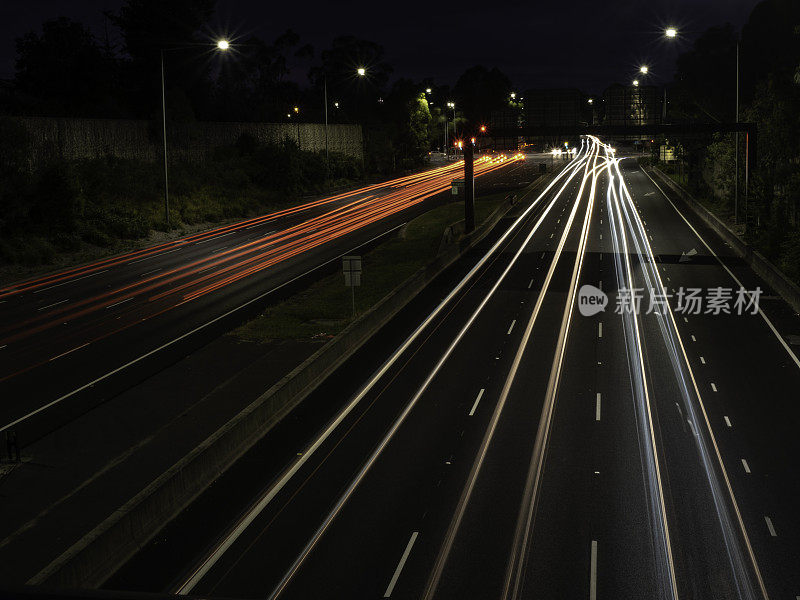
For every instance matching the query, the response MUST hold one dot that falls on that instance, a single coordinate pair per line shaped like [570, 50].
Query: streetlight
[361, 72]
[428, 90]
[453, 106]
[643, 69]
[669, 33]
[635, 83]
[513, 95]
[590, 100]
[222, 45]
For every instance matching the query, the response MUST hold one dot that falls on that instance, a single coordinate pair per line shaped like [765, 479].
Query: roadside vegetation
[325, 307]
[769, 51]
[72, 210]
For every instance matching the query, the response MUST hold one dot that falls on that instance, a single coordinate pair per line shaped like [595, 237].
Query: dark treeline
[705, 91]
[64, 69]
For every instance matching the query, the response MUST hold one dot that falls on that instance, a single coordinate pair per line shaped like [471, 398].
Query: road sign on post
[351, 266]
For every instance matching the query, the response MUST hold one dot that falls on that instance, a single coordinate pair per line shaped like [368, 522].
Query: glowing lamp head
[361, 71]
[513, 95]
[635, 83]
[483, 128]
[591, 100]
[472, 140]
[671, 32]
[296, 109]
[644, 69]
[428, 90]
[223, 45]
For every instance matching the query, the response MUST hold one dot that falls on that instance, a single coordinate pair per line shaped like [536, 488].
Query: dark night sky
[579, 43]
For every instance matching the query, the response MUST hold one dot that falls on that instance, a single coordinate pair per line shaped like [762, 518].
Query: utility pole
[469, 188]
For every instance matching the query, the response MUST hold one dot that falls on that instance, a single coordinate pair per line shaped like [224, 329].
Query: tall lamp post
[670, 33]
[221, 45]
[361, 72]
[453, 106]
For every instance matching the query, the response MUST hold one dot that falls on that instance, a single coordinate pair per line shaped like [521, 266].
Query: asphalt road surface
[495, 442]
[70, 339]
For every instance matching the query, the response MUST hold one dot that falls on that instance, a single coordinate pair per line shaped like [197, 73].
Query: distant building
[506, 119]
[632, 105]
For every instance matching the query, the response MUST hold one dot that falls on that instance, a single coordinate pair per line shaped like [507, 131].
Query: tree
[479, 91]
[65, 71]
[358, 96]
[407, 107]
[705, 77]
[149, 26]
[254, 85]
[770, 43]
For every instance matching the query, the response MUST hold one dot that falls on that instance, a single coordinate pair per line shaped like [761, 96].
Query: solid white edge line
[400, 565]
[179, 338]
[251, 515]
[710, 430]
[724, 266]
[439, 365]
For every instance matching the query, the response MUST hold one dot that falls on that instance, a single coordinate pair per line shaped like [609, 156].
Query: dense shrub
[57, 201]
[103, 200]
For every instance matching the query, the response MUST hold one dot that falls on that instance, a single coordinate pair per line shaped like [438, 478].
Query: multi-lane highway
[72, 338]
[499, 443]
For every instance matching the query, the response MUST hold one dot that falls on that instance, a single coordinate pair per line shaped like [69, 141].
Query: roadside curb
[785, 287]
[99, 553]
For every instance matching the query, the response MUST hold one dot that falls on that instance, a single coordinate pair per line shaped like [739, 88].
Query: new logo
[591, 300]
